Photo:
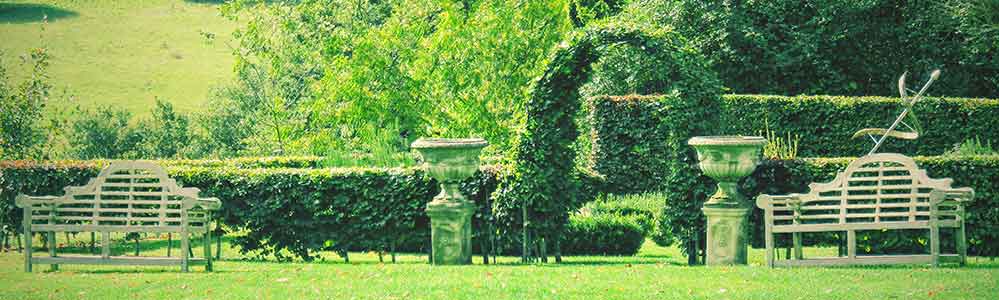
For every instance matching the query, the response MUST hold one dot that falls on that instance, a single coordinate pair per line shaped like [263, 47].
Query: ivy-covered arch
[544, 186]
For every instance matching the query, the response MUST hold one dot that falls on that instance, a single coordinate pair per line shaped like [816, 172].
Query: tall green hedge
[630, 137]
[544, 184]
[826, 123]
[978, 172]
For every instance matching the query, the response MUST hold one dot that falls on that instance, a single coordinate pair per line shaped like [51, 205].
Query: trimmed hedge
[603, 235]
[630, 138]
[978, 172]
[826, 123]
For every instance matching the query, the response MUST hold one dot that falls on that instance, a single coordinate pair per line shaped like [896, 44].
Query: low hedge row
[603, 234]
[302, 211]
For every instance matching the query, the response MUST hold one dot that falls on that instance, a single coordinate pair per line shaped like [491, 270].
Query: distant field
[122, 53]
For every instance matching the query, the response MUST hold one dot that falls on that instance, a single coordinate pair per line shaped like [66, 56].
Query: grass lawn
[656, 273]
[122, 53]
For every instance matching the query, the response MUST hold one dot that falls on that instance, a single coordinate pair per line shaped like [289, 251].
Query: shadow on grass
[22, 13]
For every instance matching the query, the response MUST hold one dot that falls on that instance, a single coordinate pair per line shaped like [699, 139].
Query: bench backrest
[125, 196]
[882, 188]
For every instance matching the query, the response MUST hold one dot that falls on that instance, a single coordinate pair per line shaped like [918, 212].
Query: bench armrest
[210, 203]
[766, 202]
[962, 196]
[25, 201]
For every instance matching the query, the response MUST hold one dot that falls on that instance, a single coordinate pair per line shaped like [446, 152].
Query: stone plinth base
[451, 232]
[726, 236]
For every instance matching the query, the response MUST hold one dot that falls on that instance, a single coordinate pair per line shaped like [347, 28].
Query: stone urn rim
[425, 143]
[727, 140]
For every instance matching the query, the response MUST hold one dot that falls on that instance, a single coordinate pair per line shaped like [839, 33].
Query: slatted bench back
[884, 190]
[125, 197]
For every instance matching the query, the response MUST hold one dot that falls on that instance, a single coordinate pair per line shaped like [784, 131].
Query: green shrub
[603, 235]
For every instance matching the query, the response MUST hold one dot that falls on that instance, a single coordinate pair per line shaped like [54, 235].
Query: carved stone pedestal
[450, 161]
[451, 232]
[726, 235]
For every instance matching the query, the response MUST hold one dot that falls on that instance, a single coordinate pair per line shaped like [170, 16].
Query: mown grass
[656, 273]
[122, 53]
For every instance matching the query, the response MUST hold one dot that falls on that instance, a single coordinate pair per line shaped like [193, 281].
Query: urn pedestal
[449, 161]
[727, 159]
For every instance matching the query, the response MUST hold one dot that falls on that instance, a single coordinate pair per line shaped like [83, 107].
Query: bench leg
[769, 236]
[185, 248]
[935, 245]
[105, 245]
[27, 251]
[962, 244]
[796, 237]
[851, 244]
[208, 249]
[52, 249]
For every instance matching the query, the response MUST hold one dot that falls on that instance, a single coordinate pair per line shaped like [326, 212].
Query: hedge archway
[544, 186]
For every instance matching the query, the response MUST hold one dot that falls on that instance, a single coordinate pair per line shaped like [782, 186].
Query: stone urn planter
[727, 159]
[450, 161]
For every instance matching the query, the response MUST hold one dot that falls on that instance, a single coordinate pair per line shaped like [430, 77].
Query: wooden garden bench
[127, 196]
[884, 191]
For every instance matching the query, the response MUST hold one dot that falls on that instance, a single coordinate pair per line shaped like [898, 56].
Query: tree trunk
[346, 257]
[136, 246]
[93, 240]
[692, 252]
[558, 247]
[218, 246]
[17, 236]
[543, 250]
[392, 250]
[524, 254]
[485, 252]
[3, 242]
[169, 243]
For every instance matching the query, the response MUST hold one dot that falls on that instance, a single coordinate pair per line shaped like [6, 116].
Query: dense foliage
[329, 76]
[840, 47]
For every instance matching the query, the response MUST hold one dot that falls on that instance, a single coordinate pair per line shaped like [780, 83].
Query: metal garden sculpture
[914, 129]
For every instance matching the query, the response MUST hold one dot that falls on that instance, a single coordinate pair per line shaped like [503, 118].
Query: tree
[21, 109]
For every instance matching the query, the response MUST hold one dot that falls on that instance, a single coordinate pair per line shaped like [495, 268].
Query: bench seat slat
[860, 226]
[116, 228]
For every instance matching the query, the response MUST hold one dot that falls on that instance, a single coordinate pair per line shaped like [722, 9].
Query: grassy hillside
[123, 53]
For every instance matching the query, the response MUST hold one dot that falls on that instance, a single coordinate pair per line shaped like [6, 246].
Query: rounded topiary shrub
[602, 235]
